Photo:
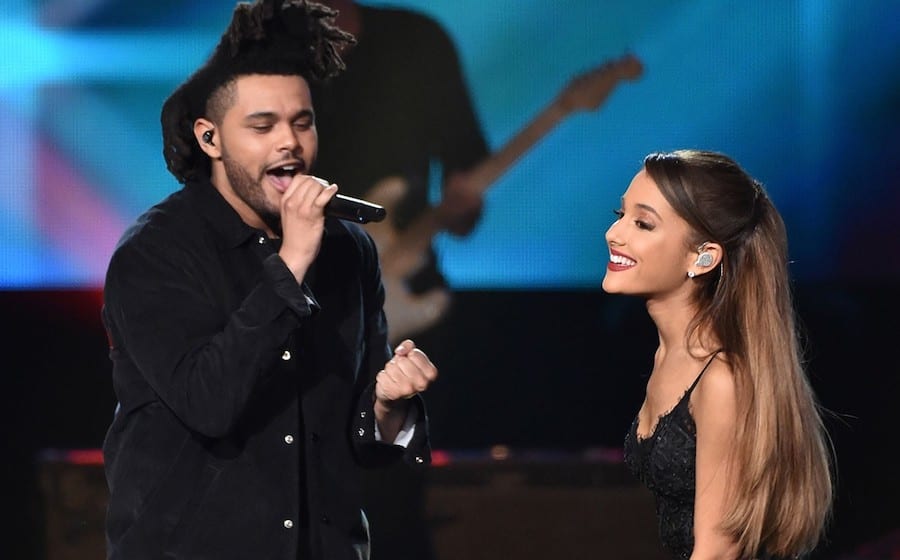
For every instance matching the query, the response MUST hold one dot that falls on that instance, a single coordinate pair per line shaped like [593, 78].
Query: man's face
[266, 137]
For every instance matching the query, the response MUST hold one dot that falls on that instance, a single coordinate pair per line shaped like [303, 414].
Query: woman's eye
[641, 224]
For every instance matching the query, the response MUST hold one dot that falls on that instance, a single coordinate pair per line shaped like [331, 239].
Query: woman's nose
[612, 236]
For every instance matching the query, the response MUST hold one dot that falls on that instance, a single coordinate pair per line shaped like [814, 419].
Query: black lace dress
[665, 462]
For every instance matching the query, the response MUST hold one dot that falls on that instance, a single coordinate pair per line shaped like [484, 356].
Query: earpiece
[704, 259]
[207, 137]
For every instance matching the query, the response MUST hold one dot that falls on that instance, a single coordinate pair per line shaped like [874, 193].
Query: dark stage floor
[558, 372]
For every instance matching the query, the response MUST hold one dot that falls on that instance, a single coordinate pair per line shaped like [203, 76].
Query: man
[248, 341]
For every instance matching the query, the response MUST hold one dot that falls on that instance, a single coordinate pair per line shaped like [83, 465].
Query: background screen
[803, 94]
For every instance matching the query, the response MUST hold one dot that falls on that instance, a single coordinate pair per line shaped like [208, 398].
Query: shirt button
[361, 432]
[288, 523]
[286, 356]
[419, 460]
[289, 439]
[325, 520]
[262, 240]
[362, 414]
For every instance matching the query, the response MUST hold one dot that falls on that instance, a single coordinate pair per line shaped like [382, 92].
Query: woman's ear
[709, 255]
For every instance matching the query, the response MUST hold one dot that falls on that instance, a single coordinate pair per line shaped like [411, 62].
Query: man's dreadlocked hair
[270, 37]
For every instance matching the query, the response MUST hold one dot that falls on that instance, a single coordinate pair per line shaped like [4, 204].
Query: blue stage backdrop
[803, 93]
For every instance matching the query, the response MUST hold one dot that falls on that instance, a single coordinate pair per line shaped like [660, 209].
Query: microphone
[352, 209]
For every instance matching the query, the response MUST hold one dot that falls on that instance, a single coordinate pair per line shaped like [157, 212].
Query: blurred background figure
[402, 112]
[399, 128]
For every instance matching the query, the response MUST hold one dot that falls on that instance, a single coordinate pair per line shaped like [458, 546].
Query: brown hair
[781, 485]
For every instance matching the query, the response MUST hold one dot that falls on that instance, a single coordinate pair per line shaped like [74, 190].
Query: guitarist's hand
[404, 376]
[303, 222]
[461, 205]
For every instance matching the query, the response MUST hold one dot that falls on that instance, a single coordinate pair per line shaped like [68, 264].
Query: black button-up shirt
[245, 397]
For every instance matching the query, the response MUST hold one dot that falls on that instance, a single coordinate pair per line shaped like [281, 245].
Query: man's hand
[407, 374]
[303, 221]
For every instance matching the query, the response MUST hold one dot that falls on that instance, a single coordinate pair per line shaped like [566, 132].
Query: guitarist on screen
[402, 109]
[389, 130]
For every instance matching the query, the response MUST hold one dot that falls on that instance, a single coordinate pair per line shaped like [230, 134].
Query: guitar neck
[586, 91]
[417, 237]
[489, 171]
[405, 252]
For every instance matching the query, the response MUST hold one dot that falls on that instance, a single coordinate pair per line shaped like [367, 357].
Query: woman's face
[649, 254]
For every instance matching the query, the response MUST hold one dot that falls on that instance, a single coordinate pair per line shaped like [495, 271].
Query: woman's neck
[671, 317]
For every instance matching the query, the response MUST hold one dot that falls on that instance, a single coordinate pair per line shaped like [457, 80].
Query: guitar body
[407, 313]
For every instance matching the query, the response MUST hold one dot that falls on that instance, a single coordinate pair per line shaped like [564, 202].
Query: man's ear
[204, 133]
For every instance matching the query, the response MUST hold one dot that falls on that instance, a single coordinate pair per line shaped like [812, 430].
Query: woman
[729, 438]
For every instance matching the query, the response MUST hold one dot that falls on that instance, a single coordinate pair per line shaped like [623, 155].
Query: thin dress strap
[702, 371]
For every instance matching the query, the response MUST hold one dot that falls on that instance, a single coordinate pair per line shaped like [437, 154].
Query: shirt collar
[222, 218]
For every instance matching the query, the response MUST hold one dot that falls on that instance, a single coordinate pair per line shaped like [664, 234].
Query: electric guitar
[403, 253]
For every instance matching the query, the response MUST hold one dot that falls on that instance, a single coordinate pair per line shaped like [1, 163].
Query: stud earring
[705, 259]
[691, 274]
